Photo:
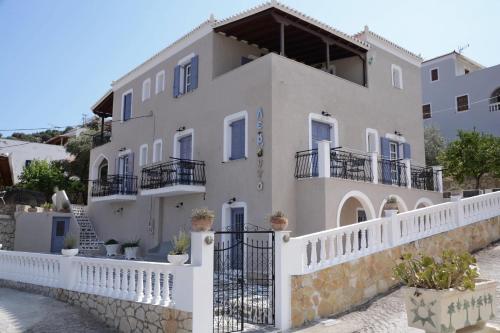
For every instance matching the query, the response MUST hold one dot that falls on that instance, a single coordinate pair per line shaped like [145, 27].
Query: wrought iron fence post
[283, 280]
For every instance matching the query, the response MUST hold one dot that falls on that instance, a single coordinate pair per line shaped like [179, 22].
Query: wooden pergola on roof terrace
[291, 36]
[103, 108]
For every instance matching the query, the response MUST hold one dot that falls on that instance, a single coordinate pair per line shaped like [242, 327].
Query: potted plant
[279, 221]
[445, 294]
[179, 255]
[47, 207]
[32, 208]
[391, 203]
[70, 246]
[112, 247]
[202, 219]
[130, 248]
[65, 207]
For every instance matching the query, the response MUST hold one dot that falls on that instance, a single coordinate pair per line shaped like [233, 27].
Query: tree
[472, 155]
[80, 148]
[434, 145]
[43, 176]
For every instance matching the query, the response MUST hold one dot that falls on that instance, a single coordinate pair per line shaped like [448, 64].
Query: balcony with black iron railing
[114, 188]
[364, 167]
[101, 138]
[175, 177]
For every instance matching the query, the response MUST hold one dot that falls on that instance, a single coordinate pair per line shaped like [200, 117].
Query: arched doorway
[423, 202]
[355, 207]
[100, 168]
[400, 203]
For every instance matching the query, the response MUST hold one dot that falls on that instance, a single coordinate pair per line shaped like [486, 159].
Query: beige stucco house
[266, 110]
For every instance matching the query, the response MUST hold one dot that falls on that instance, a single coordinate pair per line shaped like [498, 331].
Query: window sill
[235, 160]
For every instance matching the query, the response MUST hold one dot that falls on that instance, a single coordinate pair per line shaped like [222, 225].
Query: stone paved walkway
[387, 314]
[24, 312]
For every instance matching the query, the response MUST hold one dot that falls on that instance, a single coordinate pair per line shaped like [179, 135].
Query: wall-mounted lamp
[122, 149]
[326, 114]
[179, 205]
[231, 201]
[398, 133]
[181, 129]
[119, 210]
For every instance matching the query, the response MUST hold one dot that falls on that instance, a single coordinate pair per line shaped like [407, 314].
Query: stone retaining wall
[7, 231]
[341, 287]
[125, 316]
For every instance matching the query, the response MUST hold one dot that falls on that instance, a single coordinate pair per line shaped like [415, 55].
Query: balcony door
[319, 132]
[125, 172]
[186, 166]
[394, 157]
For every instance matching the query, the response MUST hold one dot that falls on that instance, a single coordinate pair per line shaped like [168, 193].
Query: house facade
[15, 155]
[267, 110]
[458, 93]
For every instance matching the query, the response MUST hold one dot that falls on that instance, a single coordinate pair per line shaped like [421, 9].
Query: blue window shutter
[194, 72]
[238, 139]
[386, 164]
[406, 150]
[177, 80]
[130, 164]
[127, 106]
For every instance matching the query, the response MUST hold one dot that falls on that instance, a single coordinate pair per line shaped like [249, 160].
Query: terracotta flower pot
[279, 223]
[201, 224]
[32, 209]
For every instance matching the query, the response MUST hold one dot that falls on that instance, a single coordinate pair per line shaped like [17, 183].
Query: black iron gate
[243, 278]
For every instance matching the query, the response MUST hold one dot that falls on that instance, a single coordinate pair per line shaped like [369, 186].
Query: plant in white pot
[70, 246]
[179, 255]
[130, 248]
[444, 294]
[112, 247]
[202, 219]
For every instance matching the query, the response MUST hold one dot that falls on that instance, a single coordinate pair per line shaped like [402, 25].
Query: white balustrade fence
[155, 283]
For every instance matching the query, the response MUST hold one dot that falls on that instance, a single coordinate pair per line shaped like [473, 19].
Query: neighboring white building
[14, 155]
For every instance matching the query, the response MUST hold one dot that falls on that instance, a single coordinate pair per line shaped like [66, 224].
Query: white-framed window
[157, 150]
[361, 215]
[181, 139]
[160, 82]
[235, 136]
[127, 100]
[186, 75]
[143, 155]
[462, 103]
[146, 89]
[426, 111]
[334, 129]
[372, 140]
[397, 76]
[186, 78]
[434, 73]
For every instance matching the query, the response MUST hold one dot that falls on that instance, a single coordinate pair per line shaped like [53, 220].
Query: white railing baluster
[140, 285]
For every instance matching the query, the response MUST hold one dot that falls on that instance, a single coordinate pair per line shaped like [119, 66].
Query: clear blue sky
[57, 57]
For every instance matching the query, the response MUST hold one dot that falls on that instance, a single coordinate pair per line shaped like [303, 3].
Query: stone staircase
[89, 243]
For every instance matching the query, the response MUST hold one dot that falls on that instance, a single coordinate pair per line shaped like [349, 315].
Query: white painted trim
[130, 91]
[174, 190]
[157, 90]
[400, 72]
[180, 135]
[199, 32]
[146, 93]
[394, 137]
[95, 166]
[227, 133]
[185, 60]
[145, 145]
[456, 103]
[377, 140]
[114, 198]
[124, 152]
[425, 201]
[160, 141]
[363, 199]
[334, 134]
[430, 74]
[226, 213]
[404, 207]
[392, 48]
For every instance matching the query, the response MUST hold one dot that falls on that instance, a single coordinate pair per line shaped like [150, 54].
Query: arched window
[495, 100]
[103, 170]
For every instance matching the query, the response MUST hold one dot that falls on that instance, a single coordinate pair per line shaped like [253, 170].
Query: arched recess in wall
[363, 200]
[402, 207]
[423, 202]
[100, 164]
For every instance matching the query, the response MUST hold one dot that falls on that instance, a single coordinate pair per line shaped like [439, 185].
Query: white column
[394, 229]
[438, 178]
[68, 277]
[283, 280]
[324, 159]
[407, 163]
[459, 210]
[374, 161]
[202, 256]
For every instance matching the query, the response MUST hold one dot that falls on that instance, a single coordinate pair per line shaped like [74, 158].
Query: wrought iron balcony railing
[101, 138]
[392, 172]
[306, 163]
[422, 178]
[114, 185]
[174, 172]
[348, 165]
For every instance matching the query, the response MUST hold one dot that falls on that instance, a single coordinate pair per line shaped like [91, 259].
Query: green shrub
[111, 242]
[451, 270]
[70, 242]
[132, 243]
